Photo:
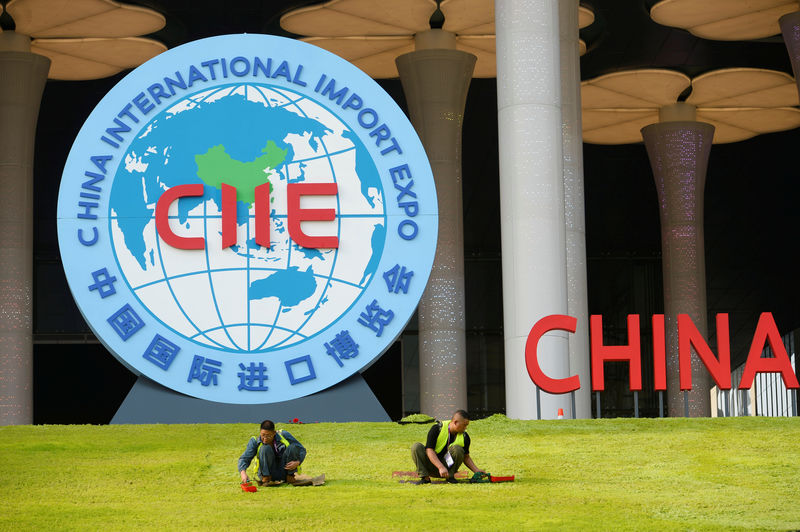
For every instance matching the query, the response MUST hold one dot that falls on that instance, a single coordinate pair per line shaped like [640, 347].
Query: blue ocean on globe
[247, 298]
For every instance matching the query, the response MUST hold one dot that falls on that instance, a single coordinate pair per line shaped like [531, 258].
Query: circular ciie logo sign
[247, 219]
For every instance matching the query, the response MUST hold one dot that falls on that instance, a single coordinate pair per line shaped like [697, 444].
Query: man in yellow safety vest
[277, 455]
[445, 449]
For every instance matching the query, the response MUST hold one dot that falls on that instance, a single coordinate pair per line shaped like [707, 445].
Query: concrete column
[435, 80]
[679, 148]
[22, 79]
[572, 142]
[790, 28]
[531, 197]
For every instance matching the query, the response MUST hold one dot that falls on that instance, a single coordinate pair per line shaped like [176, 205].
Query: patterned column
[572, 142]
[531, 198]
[435, 80]
[790, 27]
[22, 79]
[679, 148]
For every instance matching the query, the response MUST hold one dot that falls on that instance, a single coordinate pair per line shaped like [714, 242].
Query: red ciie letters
[295, 215]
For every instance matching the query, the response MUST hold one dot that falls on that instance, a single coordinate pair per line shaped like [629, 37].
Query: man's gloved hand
[480, 476]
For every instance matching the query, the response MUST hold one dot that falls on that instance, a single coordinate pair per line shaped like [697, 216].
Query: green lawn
[624, 474]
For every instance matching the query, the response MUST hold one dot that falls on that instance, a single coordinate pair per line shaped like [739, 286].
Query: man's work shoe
[263, 481]
[451, 480]
[423, 480]
[290, 479]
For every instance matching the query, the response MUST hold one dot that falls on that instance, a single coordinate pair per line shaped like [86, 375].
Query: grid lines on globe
[246, 297]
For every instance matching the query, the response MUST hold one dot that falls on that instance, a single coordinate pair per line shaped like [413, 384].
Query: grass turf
[622, 474]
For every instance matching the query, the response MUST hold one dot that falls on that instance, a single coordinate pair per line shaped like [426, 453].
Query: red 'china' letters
[688, 336]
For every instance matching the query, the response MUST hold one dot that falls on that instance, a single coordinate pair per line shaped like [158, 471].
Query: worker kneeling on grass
[446, 448]
[278, 454]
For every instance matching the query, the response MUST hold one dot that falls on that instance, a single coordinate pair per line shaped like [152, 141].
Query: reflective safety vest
[444, 434]
[255, 463]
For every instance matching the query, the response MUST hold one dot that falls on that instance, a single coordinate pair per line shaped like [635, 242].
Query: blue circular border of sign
[293, 372]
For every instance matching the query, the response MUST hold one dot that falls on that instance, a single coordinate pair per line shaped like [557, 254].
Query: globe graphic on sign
[247, 297]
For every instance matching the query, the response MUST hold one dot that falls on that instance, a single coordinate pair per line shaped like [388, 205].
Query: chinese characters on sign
[253, 377]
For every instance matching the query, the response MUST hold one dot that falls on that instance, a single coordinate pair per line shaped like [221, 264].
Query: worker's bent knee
[293, 451]
[266, 450]
[456, 451]
[418, 454]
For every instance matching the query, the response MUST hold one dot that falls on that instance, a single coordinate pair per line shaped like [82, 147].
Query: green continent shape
[216, 167]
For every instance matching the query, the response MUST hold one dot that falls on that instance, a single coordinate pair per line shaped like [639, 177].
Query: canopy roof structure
[87, 39]
[724, 20]
[371, 33]
[739, 102]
